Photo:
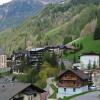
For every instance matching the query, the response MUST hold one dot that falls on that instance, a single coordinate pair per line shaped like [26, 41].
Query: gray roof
[37, 49]
[2, 51]
[77, 72]
[10, 89]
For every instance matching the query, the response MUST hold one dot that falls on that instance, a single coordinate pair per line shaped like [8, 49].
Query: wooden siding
[69, 79]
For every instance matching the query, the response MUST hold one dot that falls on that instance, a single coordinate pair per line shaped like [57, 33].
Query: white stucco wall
[70, 92]
[26, 97]
[3, 61]
[84, 60]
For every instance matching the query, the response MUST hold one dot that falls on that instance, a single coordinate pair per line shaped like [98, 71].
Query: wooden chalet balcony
[69, 78]
[68, 85]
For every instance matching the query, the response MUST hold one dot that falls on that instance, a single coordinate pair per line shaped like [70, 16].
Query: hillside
[89, 42]
[16, 11]
[89, 45]
[54, 25]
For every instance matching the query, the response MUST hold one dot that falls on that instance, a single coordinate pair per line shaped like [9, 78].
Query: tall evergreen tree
[97, 31]
[54, 60]
[62, 66]
[81, 46]
[94, 65]
[89, 65]
[74, 59]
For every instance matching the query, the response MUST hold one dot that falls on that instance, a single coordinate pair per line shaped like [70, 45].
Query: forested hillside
[56, 24]
[17, 11]
[88, 42]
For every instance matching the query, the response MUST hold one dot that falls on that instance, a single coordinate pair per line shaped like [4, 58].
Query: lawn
[89, 45]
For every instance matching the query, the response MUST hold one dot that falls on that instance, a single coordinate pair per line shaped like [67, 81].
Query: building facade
[20, 91]
[91, 58]
[3, 59]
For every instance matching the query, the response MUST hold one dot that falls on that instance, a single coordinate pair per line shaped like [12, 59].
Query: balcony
[68, 85]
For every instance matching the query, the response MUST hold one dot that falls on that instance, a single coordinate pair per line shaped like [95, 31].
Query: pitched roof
[90, 53]
[70, 47]
[77, 72]
[9, 90]
[37, 49]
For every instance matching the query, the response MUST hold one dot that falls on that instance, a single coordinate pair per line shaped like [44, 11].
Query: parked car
[93, 87]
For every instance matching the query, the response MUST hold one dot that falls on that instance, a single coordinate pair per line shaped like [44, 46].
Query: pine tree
[97, 31]
[81, 46]
[89, 65]
[94, 65]
[54, 60]
[74, 59]
[62, 66]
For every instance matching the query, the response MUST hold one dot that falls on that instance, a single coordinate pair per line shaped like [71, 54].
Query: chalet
[20, 91]
[91, 58]
[71, 82]
[3, 59]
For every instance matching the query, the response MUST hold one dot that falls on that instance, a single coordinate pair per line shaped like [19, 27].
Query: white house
[91, 58]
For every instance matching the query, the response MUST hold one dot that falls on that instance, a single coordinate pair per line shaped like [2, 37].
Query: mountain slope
[56, 23]
[89, 45]
[16, 11]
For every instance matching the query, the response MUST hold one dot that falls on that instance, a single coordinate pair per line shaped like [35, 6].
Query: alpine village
[50, 50]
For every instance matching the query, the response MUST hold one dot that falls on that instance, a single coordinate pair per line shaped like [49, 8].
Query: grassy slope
[89, 44]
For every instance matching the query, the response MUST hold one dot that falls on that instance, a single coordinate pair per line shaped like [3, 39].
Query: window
[71, 75]
[65, 89]
[35, 94]
[30, 98]
[74, 90]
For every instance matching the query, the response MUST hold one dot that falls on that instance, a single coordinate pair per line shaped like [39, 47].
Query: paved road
[48, 88]
[89, 96]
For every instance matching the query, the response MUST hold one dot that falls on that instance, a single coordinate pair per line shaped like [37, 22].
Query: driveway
[89, 96]
[48, 87]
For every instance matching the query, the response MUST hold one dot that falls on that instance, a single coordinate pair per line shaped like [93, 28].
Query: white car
[93, 87]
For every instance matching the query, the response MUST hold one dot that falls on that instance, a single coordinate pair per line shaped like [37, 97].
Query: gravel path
[89, 96]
